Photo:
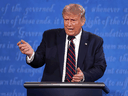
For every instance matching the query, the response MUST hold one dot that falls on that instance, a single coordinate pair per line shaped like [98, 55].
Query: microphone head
[71, 37]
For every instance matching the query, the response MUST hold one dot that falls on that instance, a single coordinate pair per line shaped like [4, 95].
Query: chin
[70, 33]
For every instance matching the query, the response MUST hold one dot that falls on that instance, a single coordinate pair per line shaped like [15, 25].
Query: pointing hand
[25, 48]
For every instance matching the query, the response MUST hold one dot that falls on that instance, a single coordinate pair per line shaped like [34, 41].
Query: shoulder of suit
[92, 35]
[54, 31]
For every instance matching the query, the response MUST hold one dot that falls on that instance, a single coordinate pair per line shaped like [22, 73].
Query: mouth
[70, 29]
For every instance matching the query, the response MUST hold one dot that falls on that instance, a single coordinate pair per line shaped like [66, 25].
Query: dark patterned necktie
[70, 65]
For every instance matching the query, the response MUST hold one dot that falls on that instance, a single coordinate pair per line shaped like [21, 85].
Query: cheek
[77, 26]
[74, 24]
[65, 25]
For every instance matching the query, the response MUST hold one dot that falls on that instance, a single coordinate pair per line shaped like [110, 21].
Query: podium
[66, 89]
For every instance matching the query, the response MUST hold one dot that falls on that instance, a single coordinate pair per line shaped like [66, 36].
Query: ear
[83, 21]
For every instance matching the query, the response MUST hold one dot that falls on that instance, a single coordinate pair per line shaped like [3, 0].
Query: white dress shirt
[76, 42]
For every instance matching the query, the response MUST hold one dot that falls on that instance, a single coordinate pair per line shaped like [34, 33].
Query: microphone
[71, 37]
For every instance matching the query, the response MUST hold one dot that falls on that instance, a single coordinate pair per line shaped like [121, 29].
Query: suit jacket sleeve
[95, 60]
[39, 57]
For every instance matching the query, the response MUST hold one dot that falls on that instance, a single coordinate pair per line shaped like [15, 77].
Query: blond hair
[75, 9]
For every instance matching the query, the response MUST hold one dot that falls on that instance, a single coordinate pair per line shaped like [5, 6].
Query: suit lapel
[82, 48]
[61, 37]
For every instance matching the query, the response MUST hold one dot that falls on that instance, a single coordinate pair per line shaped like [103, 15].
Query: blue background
[28, 19]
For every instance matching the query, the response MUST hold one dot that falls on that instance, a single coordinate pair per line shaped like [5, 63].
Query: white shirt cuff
[83, 79]
[29, 60]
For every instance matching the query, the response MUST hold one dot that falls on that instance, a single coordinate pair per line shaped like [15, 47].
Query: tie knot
[71, 37]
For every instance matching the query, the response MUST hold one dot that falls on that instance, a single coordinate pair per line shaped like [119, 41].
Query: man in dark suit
[52, 51]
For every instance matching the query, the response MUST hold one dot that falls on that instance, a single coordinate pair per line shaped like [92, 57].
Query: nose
[69, 23]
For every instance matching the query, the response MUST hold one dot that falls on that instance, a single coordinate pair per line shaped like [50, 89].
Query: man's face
[72, 24]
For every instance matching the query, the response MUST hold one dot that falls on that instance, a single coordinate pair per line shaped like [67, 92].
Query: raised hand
[25, 48]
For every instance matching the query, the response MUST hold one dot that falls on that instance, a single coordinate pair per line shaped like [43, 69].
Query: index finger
[78, 69]
[23, 42]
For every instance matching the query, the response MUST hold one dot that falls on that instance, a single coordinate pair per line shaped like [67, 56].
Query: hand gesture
[78, 77]
[25, 48]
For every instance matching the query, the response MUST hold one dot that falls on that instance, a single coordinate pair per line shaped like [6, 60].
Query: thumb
[78, 69]
[23, 42]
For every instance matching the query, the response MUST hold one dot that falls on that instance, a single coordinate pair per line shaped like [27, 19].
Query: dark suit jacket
[51, 50]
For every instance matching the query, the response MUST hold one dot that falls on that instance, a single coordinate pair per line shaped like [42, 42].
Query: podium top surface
[66, 85]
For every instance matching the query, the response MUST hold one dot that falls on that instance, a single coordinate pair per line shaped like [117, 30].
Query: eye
[66, 19]
[73, 19]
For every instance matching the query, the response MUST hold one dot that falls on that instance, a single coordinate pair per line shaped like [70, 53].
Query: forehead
[70, 15]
